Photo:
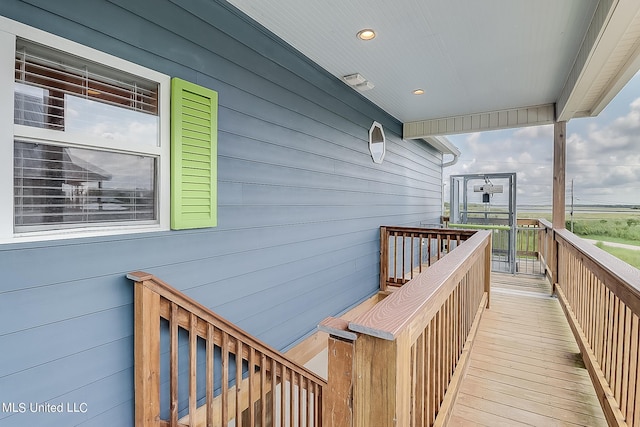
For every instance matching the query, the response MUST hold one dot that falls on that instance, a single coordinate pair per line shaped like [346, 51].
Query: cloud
[603, 156]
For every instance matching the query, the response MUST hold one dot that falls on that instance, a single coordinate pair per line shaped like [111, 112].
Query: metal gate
[488, 201]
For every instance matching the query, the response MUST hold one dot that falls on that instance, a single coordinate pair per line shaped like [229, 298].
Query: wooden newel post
[337, 409]
[146, 352]
[382, 389]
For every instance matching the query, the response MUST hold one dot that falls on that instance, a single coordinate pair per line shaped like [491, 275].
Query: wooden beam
[559, 170]
[535, 115]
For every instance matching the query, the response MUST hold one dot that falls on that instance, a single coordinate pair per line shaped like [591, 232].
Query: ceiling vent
[358, 82]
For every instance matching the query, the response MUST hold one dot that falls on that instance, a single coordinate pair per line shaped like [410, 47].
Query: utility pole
[572, 205]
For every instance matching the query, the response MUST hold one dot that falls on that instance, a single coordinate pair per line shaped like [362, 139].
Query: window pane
[62, 187]
[33, 106]
[85, 118]
[88, 119]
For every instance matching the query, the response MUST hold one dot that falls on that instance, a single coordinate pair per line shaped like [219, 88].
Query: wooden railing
[406, 252]
[547, 250]
[400, 363]
[600, 296]
[193, 368]
[527, 238]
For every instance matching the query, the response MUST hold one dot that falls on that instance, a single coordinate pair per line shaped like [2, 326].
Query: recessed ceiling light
[366, 34]
[418, 92]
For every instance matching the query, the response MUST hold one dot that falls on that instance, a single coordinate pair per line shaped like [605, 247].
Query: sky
[603, 155]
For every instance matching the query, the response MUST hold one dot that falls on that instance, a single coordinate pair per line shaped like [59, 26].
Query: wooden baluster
[446, 348]
[614, 344]
[193, 368]
[411, 239]
[263, 390]
[292, 400]
[239, 382]
[225, 379]
[173, 365]
[633, 399]
[421, 373]
[427, 389]
[309, 402]
[433, 381]
[601, 321]
[283, 397]
[300, 400]
[210, 375]
[421, 254]
[439, 358]
[626, 361]
[402, 254]
[274, 385]
[395, 257]
[252, 375]
[617, 386]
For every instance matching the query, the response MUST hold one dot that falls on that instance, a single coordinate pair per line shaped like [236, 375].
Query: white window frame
[11, 30]
[377, 157]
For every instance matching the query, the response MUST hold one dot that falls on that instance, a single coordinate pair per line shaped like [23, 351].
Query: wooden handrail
[271, 386]
[600, 296]
[419, 297]
[410, 351]
[621, 278]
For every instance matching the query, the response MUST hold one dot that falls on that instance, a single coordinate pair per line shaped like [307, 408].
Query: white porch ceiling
[511, 58]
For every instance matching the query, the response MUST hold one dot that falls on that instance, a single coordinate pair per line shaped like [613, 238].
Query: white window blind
[61, 187]
[58, 75]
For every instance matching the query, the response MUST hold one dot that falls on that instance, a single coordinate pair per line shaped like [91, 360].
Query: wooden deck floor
[525, 368]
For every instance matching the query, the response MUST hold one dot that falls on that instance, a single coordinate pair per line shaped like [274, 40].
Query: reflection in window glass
[85, 118]
[89, 118]
[58, 187]
[29, 105]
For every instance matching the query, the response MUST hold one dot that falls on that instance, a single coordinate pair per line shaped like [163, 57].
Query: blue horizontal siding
[300, 205]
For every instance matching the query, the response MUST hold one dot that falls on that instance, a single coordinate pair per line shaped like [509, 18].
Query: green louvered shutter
[194, 124]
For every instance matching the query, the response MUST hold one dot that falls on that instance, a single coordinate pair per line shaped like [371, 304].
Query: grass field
[600, 223]
[629, 256]
[620, 226]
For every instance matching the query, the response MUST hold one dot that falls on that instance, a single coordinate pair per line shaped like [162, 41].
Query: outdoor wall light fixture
[366, 34]
[418, 92]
